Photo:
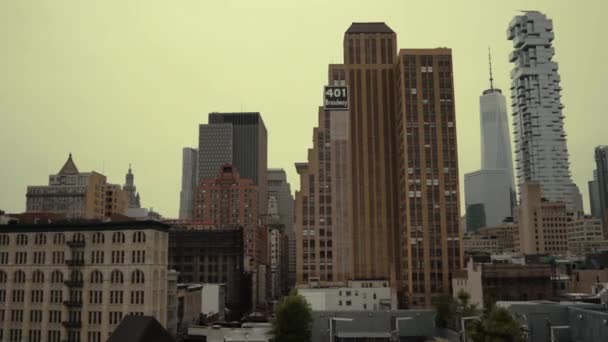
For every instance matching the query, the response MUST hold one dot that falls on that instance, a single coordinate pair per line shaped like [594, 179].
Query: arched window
[137, 277]
[4, 240]
[40, 239]
[38, 277]
[59, 239]
[118, 237]
[78, 237]
[98, 238]
[56, 277]
[21, 239]
[139, 237]
[116, 277]
[2, 277]
[96, 277]
[76, 276]
[19, 277]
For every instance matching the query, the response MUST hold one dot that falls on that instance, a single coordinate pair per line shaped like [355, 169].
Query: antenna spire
[490, 62]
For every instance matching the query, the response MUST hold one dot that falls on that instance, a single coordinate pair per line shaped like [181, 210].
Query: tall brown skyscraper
[390, 165]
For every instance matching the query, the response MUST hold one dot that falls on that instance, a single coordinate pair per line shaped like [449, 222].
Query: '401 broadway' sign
[336, 98]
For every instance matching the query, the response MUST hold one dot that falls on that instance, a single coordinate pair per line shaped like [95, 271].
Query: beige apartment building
[75, 282]
[586, 235]
[77, 195]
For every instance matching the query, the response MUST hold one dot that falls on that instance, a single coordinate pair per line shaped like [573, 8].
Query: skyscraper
[594, 196]
[189, 183]
[378, 195]
[601, 161]
[280, 189]
[239, 139]
[131, 189]
[492, 188]
[538, 121]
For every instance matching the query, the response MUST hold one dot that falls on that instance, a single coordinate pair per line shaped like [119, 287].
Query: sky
[119, 82]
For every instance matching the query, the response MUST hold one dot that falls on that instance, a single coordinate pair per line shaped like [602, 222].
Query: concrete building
[361, 155]
[594, 196]
[480, 243]
[487, 283]
[543, 225]
[279, 188]
[585, 235]
[116, 201]
[131, 189]
[72, 282]
[357, 295]
[601, 161]
[212, 256]
[74, 194]
[492, 189]
[544, 321]
[538, 121]
[278, 253]
[189, 183]
[239, 139]
[493, 240]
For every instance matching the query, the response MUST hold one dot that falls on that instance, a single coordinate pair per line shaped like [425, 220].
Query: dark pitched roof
[69, 168]
[369, 28]
[140, 328]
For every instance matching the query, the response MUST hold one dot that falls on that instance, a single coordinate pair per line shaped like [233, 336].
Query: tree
[446, 310]
[498, 326]
[293, 320]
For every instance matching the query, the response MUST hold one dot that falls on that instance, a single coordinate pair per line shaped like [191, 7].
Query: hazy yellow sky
[119, 82]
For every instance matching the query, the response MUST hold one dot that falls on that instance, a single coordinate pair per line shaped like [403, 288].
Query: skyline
[151, 134]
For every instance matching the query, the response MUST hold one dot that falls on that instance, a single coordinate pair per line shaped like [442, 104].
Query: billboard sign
[336, 98]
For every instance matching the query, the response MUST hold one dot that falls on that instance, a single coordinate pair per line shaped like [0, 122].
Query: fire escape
[75, 282]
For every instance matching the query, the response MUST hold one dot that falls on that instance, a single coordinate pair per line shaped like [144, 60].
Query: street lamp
[557, 327]
[464, 330]
[331, 326]
[397, 320]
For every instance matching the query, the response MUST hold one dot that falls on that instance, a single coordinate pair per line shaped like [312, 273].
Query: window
[4, 240]
[137, 297]
[38, 277]
[55, 316]
[59, 239]
[37, 296]
[15, 335]
[58, 257]
[78, 237]
[139, 237]
[97, 257]
[96, 277]
[56, 296]
[98, 238]
[19, 277]
[40, 239]
[39, 257]
[137, 277]
[21, 239]
[138, 257]
[16, 315]
[115, 297]
[2, 277]
[95, 297]
[94, 336]
[54, 335]
[34, 336]
[94, 317]
[118, 257]
[21, 258]
[3, 258]
[116, 277]
[118, 237]
[115, 317]
[36, 316]
[56, 277]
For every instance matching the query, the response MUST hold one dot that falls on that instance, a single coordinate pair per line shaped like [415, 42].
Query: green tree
[293, 320]
[445, 306]
[498, 326]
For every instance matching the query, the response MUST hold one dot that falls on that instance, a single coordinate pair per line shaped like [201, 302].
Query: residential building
[279, 188]
[490, 282]
[189, 183]
[131, 189]
[76, 281]
[356, 295]
[538, 120]
[601, 161]
[594, 196]
[212, 256]
[585, 235]
[117, 200]
[542, 225]
[74, 194]
[239, 139]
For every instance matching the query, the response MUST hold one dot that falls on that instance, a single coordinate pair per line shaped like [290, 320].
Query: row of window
[60, 238]
[96, 277]
[58, 257]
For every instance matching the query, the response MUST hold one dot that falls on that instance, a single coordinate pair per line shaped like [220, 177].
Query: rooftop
[377, 27]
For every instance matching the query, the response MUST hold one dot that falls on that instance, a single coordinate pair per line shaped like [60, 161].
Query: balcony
[72, 324]
[72, 304]
[73, 283]
[76, 244]
[75, 262]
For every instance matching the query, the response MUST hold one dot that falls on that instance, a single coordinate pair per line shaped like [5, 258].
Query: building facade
[585, 235]
[601, 161]
[117, 200]
[189, 183]
[76, 282]
[492, 189]
[280, 189]
[356, 295]
[594, 196]
[215, 256]
[71, 193]
[538, 120]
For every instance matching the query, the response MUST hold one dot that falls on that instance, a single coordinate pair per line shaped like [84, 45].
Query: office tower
[380, 188]
[213, 255]
[230, 200]
[277, 251]
[594, 196]
[189, 183]
[428, 179]
[492, 188]
[280, 189]
[601, 161]
[71, 193]
[131, 189]
[239, 139]
[538, 122]
[75, 282]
